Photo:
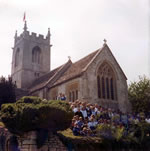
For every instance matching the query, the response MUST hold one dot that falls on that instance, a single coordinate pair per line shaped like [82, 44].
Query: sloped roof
[67, 71]
[41, 81]
[74, 70]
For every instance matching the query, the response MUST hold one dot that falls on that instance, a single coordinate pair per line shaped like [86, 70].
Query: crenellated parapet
[32, 36]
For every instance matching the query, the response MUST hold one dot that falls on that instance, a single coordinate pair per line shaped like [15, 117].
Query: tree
[7, 91]
[33, 113]
[139, 95]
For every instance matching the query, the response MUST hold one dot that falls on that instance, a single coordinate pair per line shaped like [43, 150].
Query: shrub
[139, 95]
[7, 91]
[31, 99]
[31, 113]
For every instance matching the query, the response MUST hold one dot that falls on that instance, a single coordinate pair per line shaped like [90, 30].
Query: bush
[109, 132]
[7, 91]
[139, 95]
[31, 99]
[31, 113]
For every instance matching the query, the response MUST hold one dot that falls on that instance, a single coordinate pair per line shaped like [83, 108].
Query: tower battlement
[32, 36]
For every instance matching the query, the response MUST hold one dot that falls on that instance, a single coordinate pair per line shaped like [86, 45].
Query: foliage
[31, 113]
[139, 95]
[104, 130]
[80, 143]
[110, 132]
[7, 91]
[137, 138]
[140, 134]
[31, 99]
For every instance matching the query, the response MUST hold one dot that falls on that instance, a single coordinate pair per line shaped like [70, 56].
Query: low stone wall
[28, 143]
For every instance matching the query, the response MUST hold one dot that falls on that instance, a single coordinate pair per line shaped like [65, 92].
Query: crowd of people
[61, 97]
[88, 116]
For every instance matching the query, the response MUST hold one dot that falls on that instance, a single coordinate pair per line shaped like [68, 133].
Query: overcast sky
[78, 28]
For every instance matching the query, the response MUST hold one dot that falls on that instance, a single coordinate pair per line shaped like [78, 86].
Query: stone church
[96, 78]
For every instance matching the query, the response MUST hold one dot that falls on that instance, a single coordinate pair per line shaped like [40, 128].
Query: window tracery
[106, 83]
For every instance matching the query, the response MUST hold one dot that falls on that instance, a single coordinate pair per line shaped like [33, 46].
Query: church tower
[31, 57]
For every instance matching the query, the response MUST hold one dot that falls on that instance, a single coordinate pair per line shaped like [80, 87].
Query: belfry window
[106, 83]
[36, 55]
[17, 55]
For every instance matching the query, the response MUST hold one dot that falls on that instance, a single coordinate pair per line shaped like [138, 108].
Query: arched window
[112, 88]
[76, 94]
[17, 55]
[73, 96]
[36, 55]
[106, 83]
[103, 87]
[99, 87]
[107, 87]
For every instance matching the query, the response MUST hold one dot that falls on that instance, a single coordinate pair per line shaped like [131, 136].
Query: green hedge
[32, 113]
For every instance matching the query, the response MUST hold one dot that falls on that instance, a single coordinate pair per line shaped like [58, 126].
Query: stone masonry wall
[28, 143]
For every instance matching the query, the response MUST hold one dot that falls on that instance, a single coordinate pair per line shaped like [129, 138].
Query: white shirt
[92, 124]
[75, 109]
[84, 113]
[147, 120]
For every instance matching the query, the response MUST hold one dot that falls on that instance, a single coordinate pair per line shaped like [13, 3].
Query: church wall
[16, 70]
[53, 93]
[90, 83]
[38, 93]
[65, 88]
[17, 79]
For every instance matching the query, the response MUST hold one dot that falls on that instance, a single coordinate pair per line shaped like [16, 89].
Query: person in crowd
[93, 110]
[84, 112]
[80, 123]
[59, 96]
[84, 132]
[124, 119]
[79, 113]
[76, 130]
[74, 108]
[72, 124]
[147, 119]
[63, 97]
[88, 110]
[92, 124]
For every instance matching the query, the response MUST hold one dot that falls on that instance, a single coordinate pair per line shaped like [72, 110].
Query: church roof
[67, 71]
[41, 81]
[74, 70]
